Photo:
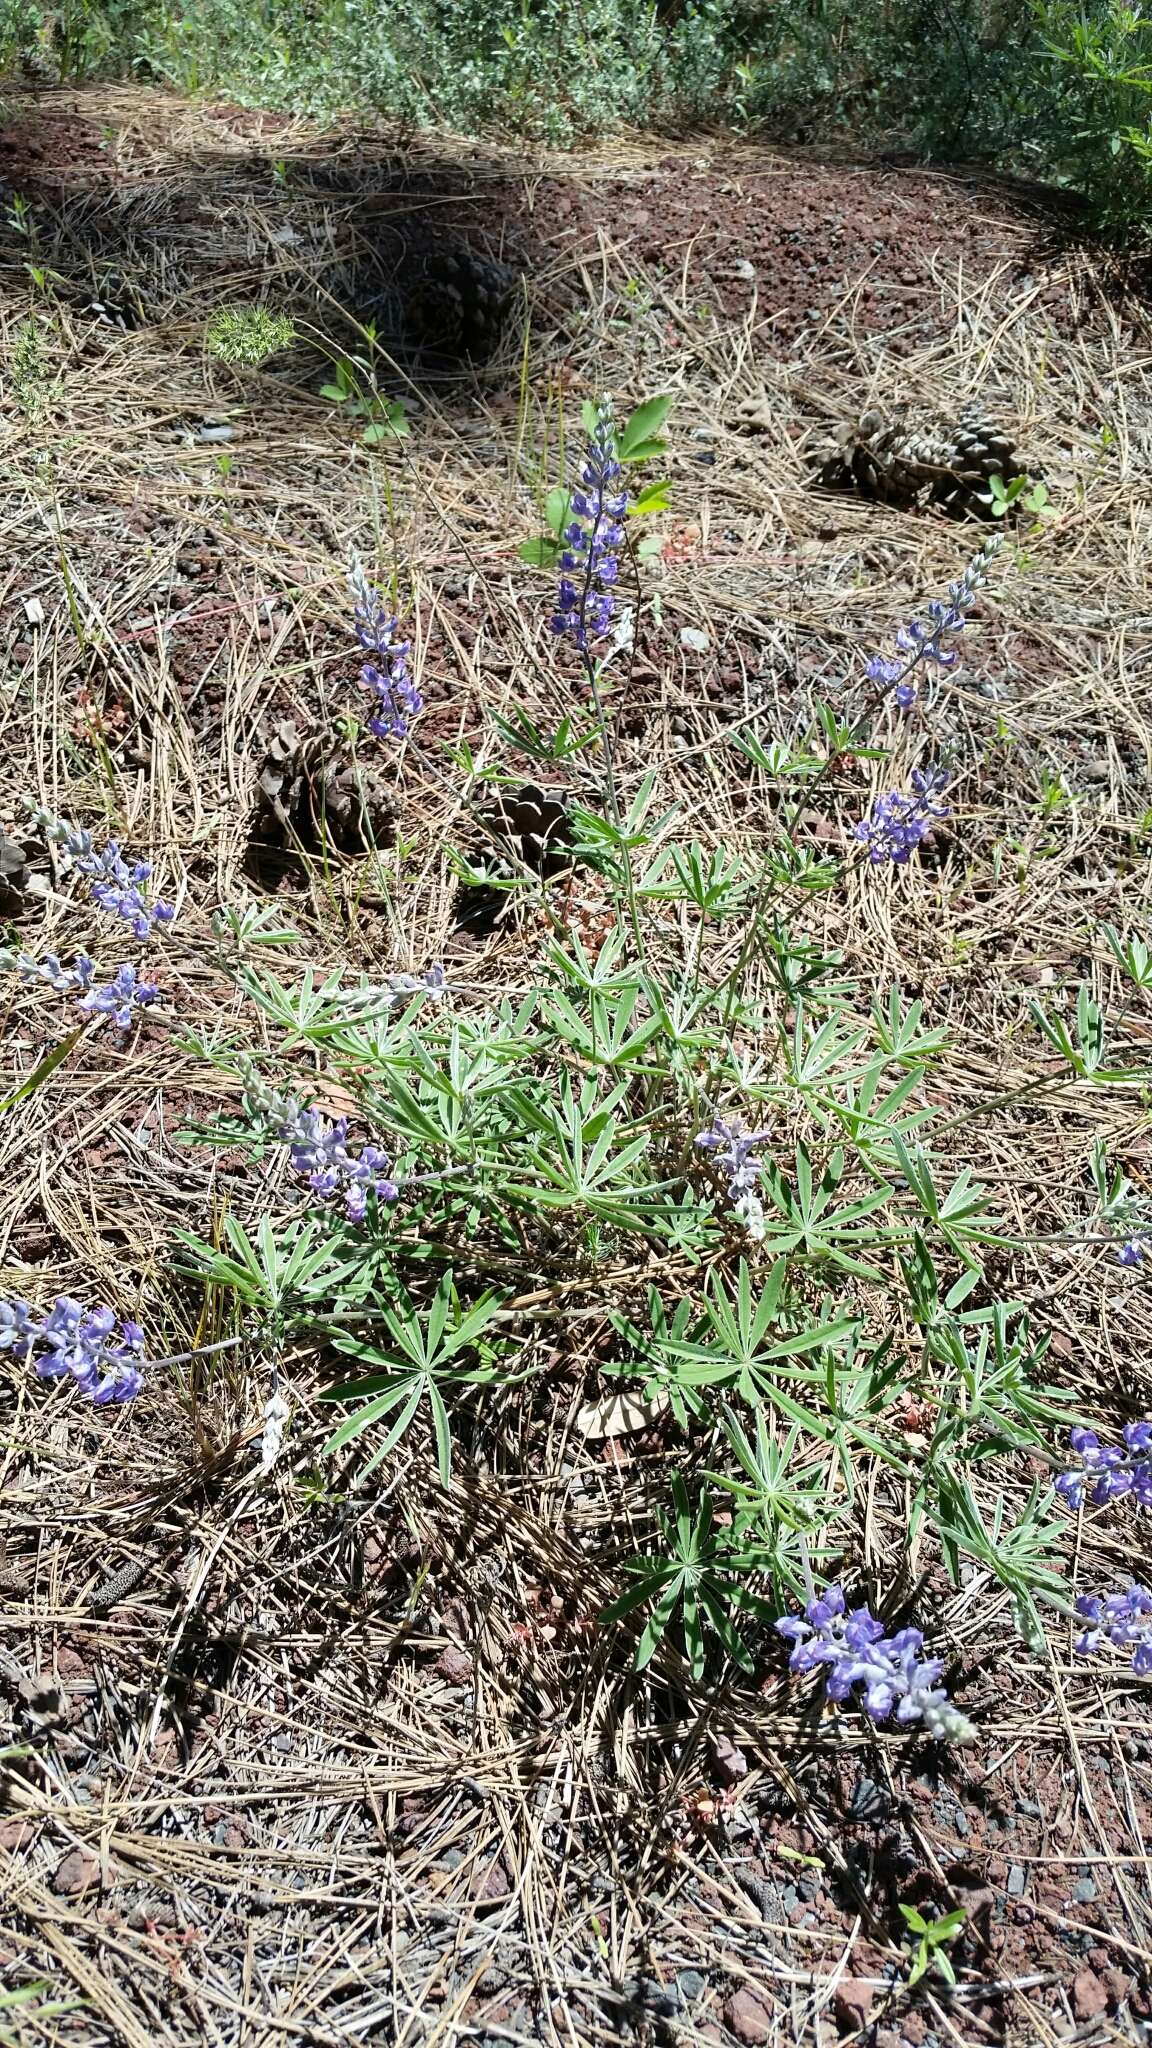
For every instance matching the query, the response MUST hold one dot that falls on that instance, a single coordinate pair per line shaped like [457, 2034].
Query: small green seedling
[1031, 496]
[933, 1935]
[384, 418]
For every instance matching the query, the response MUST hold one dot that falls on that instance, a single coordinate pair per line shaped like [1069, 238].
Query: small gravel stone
[1084, 1891]
[1017, 1879]
[78, 1871]
[455, 1665]
[692, 1984]
[1089, 1996]
[852, 2003]
[750, 2021]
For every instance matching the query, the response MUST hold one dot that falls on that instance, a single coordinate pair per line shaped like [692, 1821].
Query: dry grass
[347, 1765]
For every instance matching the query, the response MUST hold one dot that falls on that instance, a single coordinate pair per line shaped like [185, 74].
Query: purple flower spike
[898, 822]
[103, 1356]
[1123, 1620]
[589, 565]
[922, 640]
[18, 1332]
[1108, 1471]
[733, 1148]
[388, 677]
[852, 1650]
[320, 1152]
[121, 891]
[120, 998]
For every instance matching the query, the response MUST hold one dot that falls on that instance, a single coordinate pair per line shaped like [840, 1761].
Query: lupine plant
[319, 1151]
[1107, 1472]
[751, 1140]
[853, 1649]
[899, 821]
[120, 891]
[1123, 1621]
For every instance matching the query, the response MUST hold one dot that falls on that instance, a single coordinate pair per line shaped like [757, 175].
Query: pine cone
[311, 794]
[536, 822]
[459, 301]
[532, 824]
[942, 464]
[449, 300]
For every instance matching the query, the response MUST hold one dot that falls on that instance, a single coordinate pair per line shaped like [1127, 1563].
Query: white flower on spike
[276, 1414]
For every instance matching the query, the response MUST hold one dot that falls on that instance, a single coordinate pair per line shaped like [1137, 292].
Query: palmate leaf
[696, 1579]
[654, 499]
[409, 1389]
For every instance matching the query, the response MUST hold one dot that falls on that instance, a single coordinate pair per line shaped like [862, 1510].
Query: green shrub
[1052, 88]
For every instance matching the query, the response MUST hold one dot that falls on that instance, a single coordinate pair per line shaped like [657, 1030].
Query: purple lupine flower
[589, 565]
[18, 1332]
[120, 997]
[1109, 1470]
[894, 676]
[852, 1649]
[388, 676]
[1122, 1619]
[89, 1346]
[319, 1150]
[119, 890]
[432, 982]
[63, 979]
[369, 1174]
[923, 639]
[733, 1148]
[898, 821]
[1132, 1253]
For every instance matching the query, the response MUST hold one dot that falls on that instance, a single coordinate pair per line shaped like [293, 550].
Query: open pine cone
[535, 821]
[310, 793]
[944, 463]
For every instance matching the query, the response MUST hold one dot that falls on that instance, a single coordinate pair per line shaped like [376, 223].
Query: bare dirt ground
[303, 1764]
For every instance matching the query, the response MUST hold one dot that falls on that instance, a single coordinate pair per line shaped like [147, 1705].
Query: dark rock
[455, 1665]
[13, 875]
[652, 1996]
[729, 1763]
